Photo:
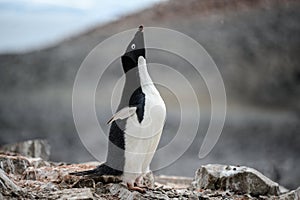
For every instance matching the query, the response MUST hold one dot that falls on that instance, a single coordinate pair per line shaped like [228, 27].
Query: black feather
[101, 170]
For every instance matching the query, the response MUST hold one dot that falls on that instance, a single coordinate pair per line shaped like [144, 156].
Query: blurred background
[255, 45]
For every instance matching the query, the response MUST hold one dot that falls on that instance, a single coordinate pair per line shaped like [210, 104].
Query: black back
[132, 96]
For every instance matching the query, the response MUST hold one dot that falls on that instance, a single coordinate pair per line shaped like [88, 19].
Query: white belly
[141, 139]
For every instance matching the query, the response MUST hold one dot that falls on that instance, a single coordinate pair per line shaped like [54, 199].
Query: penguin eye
[133, 46]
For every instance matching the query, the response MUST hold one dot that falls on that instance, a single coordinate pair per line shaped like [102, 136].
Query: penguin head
[135, 49]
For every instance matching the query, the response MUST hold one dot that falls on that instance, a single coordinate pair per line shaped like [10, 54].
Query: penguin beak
[135, 49]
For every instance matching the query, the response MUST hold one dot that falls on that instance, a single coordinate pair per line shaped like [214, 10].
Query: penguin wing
[122, 114]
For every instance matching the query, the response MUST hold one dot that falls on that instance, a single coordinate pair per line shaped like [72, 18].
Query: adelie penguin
[137, 125]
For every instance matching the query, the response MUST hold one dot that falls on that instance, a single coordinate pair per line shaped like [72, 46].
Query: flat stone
[177, 182]
[74, 194]
[238, 179]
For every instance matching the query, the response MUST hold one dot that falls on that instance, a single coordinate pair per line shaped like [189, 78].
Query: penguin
[137, 125]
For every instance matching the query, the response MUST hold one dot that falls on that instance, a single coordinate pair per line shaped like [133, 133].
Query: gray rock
[82, 183]
[8, 186]
[148, 180]
[173, 181]
[234, 178]
[75, 193]
[49, 187]
[292, 195]
[20, 164]
[122, 192]
[30, 148]
[54, 182]
[14, 164]
[38, 162]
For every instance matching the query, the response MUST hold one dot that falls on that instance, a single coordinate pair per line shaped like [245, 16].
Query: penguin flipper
[122, 114]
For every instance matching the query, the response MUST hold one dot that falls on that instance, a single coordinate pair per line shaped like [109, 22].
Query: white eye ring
[133, 46]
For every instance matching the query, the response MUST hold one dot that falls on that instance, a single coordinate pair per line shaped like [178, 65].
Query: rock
[283, 189]
[7, 186]
[49, 186]
[82, 183]
[20, 164]
[38, 162]
[292, 195]
[30, 148]
[35, 185]
[55, 174]
[148, 180]
[174, 181]
[33, 178]
[123, 193]
[242, 180]
[14, 164]
[75, 193]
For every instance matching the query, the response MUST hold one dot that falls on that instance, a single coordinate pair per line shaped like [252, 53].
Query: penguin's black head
[135, 49]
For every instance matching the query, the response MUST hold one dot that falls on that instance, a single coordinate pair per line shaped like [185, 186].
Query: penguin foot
[135, 188]
[138, 182]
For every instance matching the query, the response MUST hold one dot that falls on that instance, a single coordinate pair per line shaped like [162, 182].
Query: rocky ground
[34, 178]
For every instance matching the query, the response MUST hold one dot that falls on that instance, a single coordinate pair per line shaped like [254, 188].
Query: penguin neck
[144, 76]
[138, 77]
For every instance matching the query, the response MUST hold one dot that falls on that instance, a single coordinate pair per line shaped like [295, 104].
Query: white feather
[141, 139]
[122, 114]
